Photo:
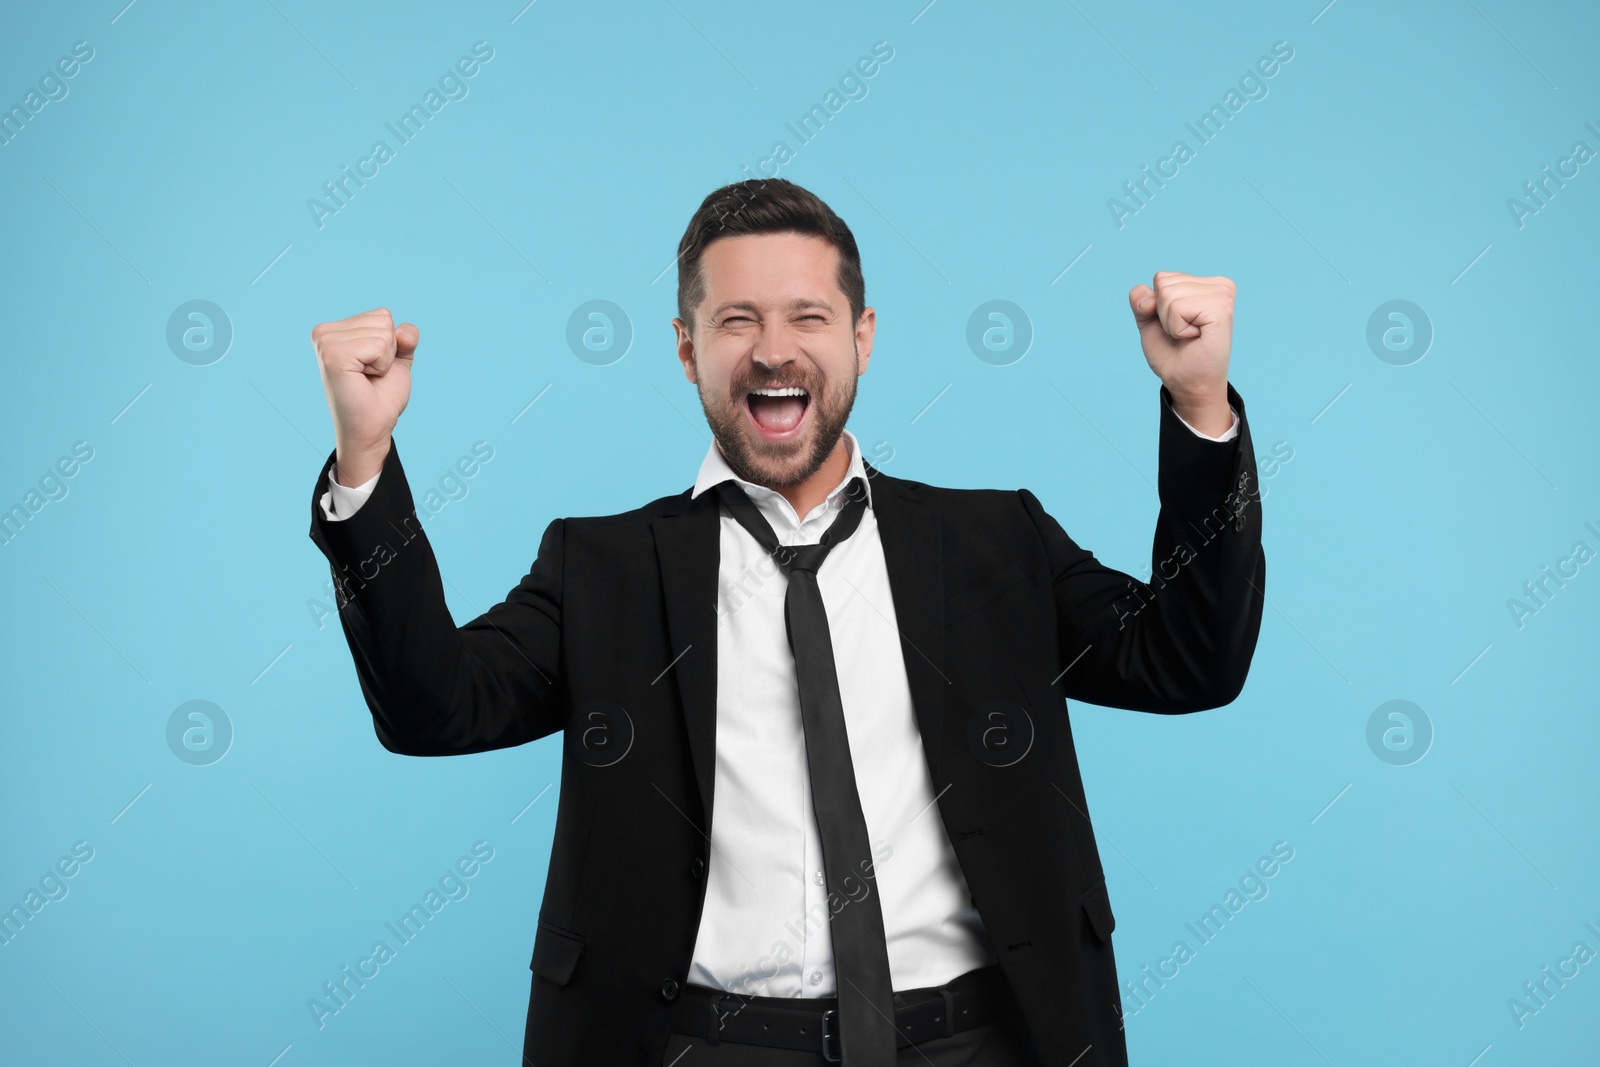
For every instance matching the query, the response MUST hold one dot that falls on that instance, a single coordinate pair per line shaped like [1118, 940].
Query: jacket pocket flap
[1097, 905]
[555, 953]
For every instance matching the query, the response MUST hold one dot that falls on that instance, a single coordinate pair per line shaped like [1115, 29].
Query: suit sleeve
[434, 688]
[1184, 640]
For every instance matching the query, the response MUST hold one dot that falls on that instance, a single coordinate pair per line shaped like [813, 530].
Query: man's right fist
[365, 362]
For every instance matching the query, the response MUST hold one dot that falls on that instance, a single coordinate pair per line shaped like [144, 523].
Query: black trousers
[1002, 1042]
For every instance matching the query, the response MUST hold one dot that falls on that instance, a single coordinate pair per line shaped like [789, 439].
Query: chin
[790, 467]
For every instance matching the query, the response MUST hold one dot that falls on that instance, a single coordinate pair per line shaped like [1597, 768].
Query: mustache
[746, 386]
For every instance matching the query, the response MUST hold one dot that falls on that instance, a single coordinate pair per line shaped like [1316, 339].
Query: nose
[773, 349]
[773, 359]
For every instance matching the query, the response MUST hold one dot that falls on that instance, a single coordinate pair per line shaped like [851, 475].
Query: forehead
[770, 267]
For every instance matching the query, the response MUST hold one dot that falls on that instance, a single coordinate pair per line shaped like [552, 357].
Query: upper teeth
[793, 390]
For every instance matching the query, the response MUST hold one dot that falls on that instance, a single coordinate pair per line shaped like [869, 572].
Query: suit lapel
[910, 528]
[688, 551]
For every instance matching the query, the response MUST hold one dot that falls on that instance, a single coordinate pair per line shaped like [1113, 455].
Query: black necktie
[860, 949]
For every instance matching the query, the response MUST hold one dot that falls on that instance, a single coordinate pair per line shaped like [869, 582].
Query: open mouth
[778, 413]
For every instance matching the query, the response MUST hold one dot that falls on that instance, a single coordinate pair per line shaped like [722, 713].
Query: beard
[780, 464]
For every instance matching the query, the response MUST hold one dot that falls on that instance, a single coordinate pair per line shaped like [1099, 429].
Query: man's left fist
[1186, 329]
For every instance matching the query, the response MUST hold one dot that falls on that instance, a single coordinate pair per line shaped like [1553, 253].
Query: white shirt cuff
[1227, 435]
[344, 499]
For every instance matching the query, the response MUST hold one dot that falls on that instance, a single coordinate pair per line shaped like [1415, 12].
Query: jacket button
[669, 990]
[697, 867]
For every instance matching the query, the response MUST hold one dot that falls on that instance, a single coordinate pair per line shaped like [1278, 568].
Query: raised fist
[1186, 329]
[365, 362]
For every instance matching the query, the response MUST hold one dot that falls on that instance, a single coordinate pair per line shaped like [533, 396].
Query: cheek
[840, 369]
[717, 384]
[831, 355]
[721, 353]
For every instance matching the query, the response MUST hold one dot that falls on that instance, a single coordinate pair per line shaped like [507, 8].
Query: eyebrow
[799, 304]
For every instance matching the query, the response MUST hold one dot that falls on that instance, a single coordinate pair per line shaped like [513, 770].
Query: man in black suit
[819, 797]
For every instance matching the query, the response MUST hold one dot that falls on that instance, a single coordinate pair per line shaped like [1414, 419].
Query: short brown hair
[764, 205]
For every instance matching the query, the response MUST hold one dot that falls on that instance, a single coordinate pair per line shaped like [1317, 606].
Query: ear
[866, 325]
[685, 344]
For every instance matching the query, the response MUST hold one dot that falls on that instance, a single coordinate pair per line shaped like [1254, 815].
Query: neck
[814, 490]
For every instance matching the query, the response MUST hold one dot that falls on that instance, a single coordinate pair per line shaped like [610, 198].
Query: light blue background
[1418, 500]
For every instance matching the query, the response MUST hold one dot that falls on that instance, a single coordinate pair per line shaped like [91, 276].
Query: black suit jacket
[611, 636]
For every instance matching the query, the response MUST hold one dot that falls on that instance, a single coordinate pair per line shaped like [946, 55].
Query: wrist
[1207, 412]
[353, 468]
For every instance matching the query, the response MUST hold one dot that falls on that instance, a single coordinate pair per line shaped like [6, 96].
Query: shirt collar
[714, 470]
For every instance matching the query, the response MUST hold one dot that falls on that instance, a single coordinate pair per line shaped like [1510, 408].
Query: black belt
[812, 1023]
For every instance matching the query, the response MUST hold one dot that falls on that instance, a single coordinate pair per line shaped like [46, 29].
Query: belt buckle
[827, 1017]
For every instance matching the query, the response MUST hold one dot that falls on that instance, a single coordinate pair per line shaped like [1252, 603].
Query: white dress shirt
[764, 926]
